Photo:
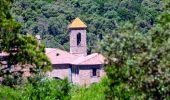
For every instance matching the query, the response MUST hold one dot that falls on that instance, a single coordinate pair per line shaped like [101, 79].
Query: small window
[79, 39]
[75, 70]
[94, 72]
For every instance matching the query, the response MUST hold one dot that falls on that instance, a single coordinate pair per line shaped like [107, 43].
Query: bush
[44, 89]
[7, 93]
[47, 89]
[93, 92]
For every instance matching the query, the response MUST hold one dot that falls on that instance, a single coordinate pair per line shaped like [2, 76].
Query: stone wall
[60, 71]
[81, 49]
[80, 75]
[85, 77]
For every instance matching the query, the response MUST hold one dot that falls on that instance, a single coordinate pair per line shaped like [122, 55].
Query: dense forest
[50, 18]
[134, 36]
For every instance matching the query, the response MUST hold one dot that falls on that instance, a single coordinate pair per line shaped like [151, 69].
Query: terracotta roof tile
[92, 59]
[58, 56]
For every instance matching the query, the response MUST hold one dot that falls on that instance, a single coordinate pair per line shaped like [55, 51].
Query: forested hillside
[133, 35]
[50, 18]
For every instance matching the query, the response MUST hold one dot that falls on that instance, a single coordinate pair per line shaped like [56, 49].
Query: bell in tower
[78, 37]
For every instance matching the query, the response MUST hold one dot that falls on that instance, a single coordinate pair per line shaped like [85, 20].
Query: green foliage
[139, 63]
[9, 93]
[44, 89]
[92, 92]
[7, 24]
[23, 50]
[50, 89]
[27, 54]
[133, 37]
[124, 72]
[50, 17]
[47, 89]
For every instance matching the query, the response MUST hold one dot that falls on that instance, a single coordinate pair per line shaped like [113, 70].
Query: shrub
[92, 92]
[7, 93]
[44, 89]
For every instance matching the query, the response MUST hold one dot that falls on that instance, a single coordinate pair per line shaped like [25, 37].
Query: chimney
[38, 39]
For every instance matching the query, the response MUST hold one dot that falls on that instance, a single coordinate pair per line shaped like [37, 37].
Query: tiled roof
[77, 23]
[92, 59]
[58, 56]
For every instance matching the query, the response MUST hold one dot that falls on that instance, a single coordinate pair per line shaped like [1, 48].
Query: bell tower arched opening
[79, 39]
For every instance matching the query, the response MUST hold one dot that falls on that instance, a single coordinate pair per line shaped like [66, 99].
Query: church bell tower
[78, 37]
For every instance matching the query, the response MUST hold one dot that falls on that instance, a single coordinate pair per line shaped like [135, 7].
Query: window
[94, 72]
[78, 39]
[75, 70]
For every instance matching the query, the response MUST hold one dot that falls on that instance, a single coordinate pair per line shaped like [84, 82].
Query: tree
[123, 51]
[23, 51]
[50, 17]
[139, 63]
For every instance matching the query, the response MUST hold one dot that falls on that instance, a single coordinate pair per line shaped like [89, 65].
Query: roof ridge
[66, 52]
[90, 57]
[60, 50]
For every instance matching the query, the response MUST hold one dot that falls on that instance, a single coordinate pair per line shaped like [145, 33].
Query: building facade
[76, 65]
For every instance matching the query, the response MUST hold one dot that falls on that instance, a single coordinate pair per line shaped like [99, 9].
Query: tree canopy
[134, 36]
[50, 18]
[23, 51]
[139, 63]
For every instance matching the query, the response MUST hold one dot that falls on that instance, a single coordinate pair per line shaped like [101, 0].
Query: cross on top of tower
[77, 23]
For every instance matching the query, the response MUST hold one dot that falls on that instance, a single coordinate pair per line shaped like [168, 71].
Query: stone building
[76, 65]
